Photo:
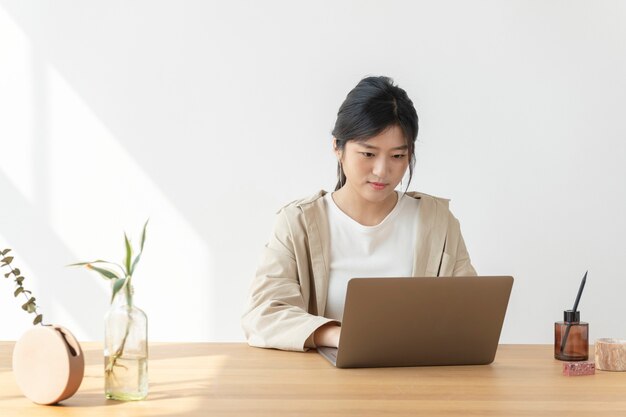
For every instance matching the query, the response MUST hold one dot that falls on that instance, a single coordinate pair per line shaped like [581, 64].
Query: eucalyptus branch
[30, 305]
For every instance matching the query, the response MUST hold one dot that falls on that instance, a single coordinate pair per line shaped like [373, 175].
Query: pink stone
[579, 368]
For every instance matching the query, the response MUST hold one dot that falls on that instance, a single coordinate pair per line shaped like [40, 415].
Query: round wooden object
[611, 354]
[48, 364]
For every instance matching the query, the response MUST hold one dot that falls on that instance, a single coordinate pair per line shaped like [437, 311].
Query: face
[374, 167]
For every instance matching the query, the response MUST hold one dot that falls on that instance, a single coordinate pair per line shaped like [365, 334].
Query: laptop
[421, 321]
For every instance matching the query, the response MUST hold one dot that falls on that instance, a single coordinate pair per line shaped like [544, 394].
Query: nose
[380, 167]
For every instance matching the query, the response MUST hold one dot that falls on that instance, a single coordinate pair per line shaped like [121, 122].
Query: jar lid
[571, 316]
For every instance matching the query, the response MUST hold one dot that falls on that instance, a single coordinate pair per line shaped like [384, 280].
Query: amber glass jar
[571, 338]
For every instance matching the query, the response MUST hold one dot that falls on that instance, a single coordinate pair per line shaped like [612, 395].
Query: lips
[378, 185]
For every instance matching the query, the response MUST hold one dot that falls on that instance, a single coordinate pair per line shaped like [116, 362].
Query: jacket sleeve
[462, 263]
[277, 315]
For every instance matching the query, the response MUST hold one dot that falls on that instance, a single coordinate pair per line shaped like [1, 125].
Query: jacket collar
[414, 194]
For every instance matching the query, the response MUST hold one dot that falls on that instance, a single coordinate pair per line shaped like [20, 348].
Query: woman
[364, 229]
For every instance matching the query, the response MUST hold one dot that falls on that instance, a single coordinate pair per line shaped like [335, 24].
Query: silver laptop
[421, 321]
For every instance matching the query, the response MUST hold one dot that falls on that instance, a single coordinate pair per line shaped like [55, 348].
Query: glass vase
[125, 349]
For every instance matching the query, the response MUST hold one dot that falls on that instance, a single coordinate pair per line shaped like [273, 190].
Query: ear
[338, 152]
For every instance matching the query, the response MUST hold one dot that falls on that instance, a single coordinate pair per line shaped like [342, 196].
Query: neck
[365, 212]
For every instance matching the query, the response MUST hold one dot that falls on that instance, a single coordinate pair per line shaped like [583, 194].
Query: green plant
[30, 305]
[122, 277]
[121, 281]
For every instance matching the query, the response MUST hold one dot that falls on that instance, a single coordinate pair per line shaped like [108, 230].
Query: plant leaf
[7, 260]
[38, 319]
[143, 240]
[19, 280]
[7, 274]
[104, 272]
[97, 261]
[87, 263]
[129, 254]
[16, 271]
[18, 291]
[132, 268]
[117, 286]
[82, 263]
[29, 305]
[143, 234]
[4, 252]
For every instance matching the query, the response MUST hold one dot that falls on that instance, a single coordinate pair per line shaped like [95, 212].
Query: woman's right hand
[327, 335]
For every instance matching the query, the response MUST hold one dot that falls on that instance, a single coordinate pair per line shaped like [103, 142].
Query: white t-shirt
[357, 251]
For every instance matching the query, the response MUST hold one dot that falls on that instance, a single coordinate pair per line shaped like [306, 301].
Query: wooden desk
[207, 379]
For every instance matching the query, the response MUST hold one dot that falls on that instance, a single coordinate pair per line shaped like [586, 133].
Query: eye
[367, 154]
[400, 156]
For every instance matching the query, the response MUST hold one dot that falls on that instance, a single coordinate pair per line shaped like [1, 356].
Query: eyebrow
[397, 148]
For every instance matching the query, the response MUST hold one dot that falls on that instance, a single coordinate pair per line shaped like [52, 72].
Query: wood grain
[211, 379]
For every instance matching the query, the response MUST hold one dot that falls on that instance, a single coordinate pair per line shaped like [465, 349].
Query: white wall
[209, 116]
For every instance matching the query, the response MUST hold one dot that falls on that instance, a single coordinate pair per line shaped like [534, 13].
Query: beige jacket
[288, 294]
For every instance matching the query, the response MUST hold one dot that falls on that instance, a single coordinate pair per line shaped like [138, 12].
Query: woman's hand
[327, 335]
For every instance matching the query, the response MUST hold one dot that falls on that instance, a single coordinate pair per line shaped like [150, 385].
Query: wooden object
[48, 364]
[210, 379]
[611, 354]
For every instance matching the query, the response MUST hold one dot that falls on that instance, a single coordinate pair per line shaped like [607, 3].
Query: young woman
[365, 228]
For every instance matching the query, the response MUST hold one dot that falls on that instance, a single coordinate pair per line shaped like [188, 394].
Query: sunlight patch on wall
[97, 191]
[16, 148]
[16, 116]
[65, 167]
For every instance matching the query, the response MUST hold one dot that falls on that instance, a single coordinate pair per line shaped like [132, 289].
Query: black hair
[373, 106]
